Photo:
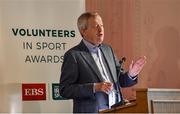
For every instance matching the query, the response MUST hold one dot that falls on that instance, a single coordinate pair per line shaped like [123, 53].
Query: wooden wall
[144, 27]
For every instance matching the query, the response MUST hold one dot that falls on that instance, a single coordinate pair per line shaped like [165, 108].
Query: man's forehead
[96, 19]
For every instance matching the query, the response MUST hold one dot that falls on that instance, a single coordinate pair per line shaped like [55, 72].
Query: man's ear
[83, 32]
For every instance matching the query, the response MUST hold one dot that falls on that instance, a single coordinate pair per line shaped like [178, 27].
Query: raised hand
[136, 67]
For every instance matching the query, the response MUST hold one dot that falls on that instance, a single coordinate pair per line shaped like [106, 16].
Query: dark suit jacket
[80, 72]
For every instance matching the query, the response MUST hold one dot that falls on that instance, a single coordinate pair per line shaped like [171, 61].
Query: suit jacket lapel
[110, 62]
[89, 59]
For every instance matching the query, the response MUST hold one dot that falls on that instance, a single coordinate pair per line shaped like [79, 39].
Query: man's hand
[136, 67]
[104, 87]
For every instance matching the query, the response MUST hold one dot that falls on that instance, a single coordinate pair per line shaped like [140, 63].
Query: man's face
[95, 31]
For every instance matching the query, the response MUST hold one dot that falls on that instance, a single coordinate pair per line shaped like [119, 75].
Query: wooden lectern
[151, 100]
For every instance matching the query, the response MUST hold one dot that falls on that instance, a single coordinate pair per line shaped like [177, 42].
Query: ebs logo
[34, 91]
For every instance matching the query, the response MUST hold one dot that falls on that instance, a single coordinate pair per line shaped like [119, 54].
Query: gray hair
[83, 18]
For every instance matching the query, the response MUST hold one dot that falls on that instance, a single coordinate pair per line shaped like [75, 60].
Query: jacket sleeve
[69, 88]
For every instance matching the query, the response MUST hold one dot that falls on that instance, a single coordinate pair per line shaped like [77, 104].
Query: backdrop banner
[34, 35]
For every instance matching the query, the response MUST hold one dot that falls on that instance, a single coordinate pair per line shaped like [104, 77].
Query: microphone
[121, 63]
[122, 60]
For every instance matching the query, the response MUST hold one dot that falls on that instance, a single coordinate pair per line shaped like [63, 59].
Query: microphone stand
[121, 70]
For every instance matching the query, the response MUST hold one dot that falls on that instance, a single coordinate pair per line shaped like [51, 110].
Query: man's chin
[100, 39]
[100, 42]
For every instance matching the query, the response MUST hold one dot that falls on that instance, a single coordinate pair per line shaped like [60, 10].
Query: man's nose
[100, 28]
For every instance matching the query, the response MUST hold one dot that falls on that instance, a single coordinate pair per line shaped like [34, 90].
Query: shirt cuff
[132, 77]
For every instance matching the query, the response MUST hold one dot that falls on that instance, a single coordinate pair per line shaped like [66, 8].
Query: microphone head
[124, 59]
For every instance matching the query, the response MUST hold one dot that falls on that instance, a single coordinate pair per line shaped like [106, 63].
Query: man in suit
[91, 74]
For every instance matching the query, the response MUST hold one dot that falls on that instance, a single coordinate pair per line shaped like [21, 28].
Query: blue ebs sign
[55, 92]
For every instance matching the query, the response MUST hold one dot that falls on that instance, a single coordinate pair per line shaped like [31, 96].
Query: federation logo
[55, 92]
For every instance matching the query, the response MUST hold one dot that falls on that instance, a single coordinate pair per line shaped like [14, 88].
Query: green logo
[55, 92]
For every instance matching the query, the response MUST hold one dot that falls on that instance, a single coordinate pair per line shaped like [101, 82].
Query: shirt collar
[91, 47]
